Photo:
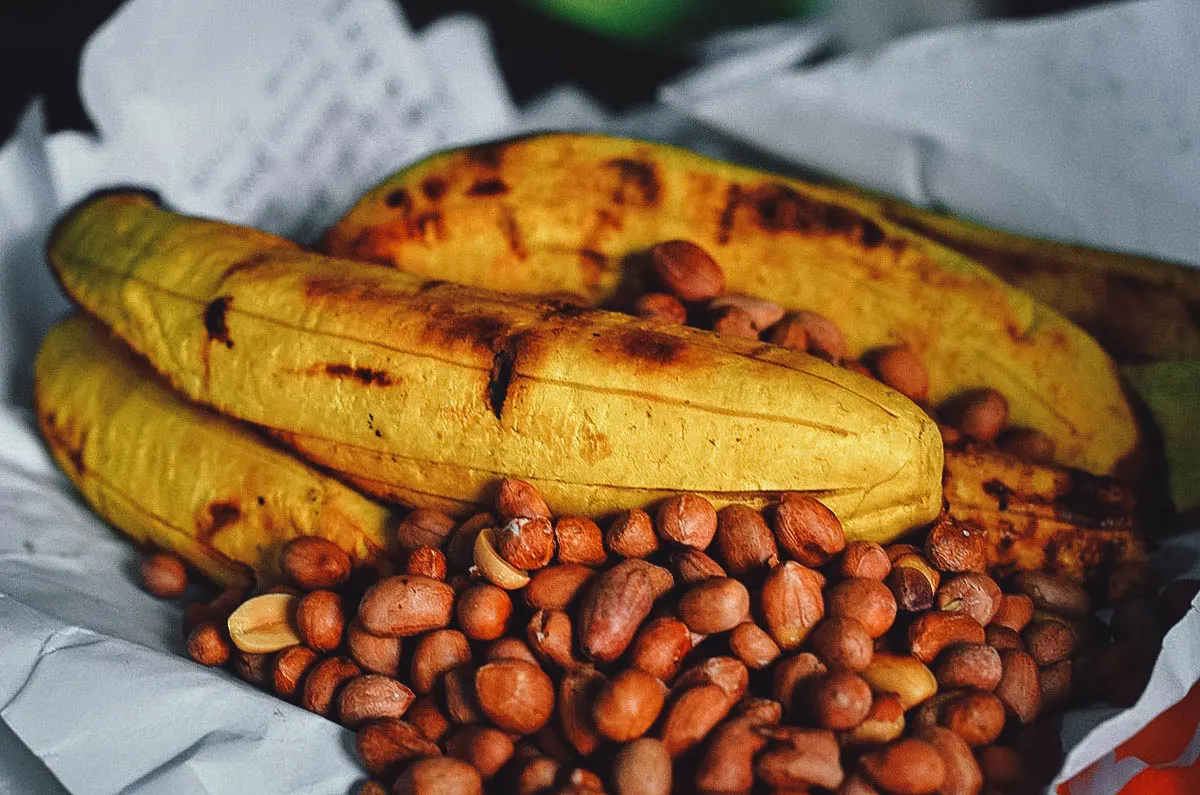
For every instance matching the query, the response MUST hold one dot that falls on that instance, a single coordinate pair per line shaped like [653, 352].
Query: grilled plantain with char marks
[426, 393]
[180, 477]
[573, 212]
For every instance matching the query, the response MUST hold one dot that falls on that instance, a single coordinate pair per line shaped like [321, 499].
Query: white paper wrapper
[279, 114]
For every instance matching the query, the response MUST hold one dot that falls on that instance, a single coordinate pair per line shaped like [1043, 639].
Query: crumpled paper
[278, 114]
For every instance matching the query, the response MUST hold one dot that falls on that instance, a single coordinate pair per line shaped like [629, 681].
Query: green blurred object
[673, 21]
[1171, 390]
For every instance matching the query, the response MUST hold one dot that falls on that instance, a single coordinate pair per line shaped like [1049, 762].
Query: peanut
[660, 307]
[806, 530]
[643, 767]
[728, 763]
[549, 633]
[579, 541]
[460, 545]
[509, 649]
[883, 723]
[439, 774]
[555, 587]
[727, 673]
[865, 559]
[371, 697]
[253, 667]
[320, 620]
[1014, 612]
[903, 371]
[311, 562]
[660, 646]
[903, 675]
[426, 562]
[164, 576]
[577, 693]
[323, 681]
[806, 757]
[824, 337]
[715, 605]
[1001, 638]
[732, 321]
[792, 677]
[493, 567]
[744, 541]
[1048, 642]
[405, 605]
[385, 742]
[955, 546]
[628, 705]
[908, 766]
[1055, 683]
[424, 527]
[868, 601]
[435, 655]
[1018, 687]
[264, 624]
[631, 535]
[518, 499]
[976, 716]
[208, 644]
[972, 593]
[1054, 594]
[483, 611]
[526, 543]
[984, 416]
[693, 566]
[762, 313]
[515, 695]
[691, 716]
[687, 271]
[843, 643]
[458, 684]
[374, 653]
[963, 776]
[616, 603]
[289, 668]
[969, 665]
[932, 632]
[753, 646]
[840, 700]
[687, 520]
[791, 603]
[1028, 445]
[482, 747]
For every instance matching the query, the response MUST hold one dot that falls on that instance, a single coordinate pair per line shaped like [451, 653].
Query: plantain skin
[426, 393]
[179, 477]
[1139, 309]
[570, 212]
[1041, 518]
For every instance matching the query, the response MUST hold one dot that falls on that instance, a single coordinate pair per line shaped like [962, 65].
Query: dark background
[40, 42]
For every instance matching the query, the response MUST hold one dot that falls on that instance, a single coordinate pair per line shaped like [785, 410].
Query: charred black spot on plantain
[433, 188]
[220, 515]
[365, 375]
[398, 200]
[214, 320]
[637, 174]
[501, 375]
[488, 187]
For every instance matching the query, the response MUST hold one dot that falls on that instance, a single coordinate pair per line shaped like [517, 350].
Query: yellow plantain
[424, 393]
[571, 212]
[1043, 518]
[179, 477]
[1139, 309]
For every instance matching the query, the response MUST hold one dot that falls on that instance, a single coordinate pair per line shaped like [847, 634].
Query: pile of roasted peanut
[696, 650]
[693, 292]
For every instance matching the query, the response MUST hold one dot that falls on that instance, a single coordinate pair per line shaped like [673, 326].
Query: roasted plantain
[180, 477]
[425, 393]
[567, 212]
